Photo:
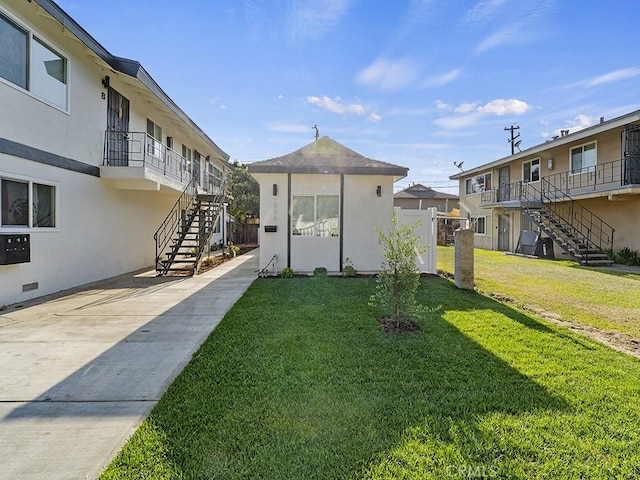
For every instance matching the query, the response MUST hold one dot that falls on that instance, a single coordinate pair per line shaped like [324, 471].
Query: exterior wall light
[275, 189]
[379, 190]
[550, 164]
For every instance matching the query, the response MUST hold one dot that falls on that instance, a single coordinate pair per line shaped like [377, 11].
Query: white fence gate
[427, 230]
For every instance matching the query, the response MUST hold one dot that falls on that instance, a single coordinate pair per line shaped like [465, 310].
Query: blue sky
[418, 83]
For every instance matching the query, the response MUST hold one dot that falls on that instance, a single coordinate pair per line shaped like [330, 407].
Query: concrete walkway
[80, 371]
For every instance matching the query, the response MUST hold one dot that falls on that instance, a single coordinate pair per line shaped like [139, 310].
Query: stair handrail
[206, 226]
[597, 233]
[171, 224]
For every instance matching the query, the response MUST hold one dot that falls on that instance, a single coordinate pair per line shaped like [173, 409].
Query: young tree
[245, 191]
[399, 277]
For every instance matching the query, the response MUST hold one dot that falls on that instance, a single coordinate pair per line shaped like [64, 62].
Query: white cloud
[508, 35]
[615, 76]
[440, 80]
[470, 113]
[466, 107]
[389, 75]
[505, 107]
[280, 97]
[440, 105]
[313, 18]
[374, 117]
[336, 105]
[577, 123]
[482, 12]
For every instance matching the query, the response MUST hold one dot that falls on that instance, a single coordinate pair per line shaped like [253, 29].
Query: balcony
[620, 177]
[137, 161]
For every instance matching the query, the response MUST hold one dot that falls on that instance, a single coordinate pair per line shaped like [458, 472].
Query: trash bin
[546, 245]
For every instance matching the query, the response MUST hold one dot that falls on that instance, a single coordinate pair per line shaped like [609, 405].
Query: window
[188, 157]
[531, 171]
[479, 183]
[479, 225]
[583, 158]
[27, 62]
[13, 59]
[21, 198]
[154, 139]
[315, 215]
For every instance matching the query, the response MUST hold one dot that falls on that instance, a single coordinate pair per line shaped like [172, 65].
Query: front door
[503, 232]
[632, 156]
[503, 184]
[117, 141]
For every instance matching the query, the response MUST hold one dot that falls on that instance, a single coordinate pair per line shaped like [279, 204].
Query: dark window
[14, 43]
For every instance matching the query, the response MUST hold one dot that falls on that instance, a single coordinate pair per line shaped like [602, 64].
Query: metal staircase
[184, 235]
[577, 230]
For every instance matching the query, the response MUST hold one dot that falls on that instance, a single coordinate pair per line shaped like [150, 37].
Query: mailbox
[15, 248]
[270, 228]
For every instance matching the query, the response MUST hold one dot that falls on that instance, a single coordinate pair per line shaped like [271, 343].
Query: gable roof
[128, 67]
[420, 191]
[326, 156]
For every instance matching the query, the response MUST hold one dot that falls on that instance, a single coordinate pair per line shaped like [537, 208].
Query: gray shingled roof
[420, 191]
[327, 156]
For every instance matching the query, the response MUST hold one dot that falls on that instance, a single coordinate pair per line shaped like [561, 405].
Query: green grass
[300, 382]
[591, 296]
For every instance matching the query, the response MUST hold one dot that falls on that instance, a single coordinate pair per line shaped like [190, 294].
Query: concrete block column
[463, 240]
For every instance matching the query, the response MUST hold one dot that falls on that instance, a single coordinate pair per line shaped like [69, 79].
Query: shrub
[286, 273]
[626, 256]
[320, 272]
[349, 271]
[399, 277]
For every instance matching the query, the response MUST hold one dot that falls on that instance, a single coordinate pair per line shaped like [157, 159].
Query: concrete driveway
[80, 371]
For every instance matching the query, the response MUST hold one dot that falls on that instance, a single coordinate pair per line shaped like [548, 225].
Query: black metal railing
[176, 223]
[604, 176]
[176, 227]
[139, 149]
[503, 193]
[586, 229]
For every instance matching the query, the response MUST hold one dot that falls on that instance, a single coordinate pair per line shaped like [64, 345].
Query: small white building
[93, 156]
[320, 207]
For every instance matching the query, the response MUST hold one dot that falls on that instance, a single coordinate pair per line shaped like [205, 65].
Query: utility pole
[514, 144]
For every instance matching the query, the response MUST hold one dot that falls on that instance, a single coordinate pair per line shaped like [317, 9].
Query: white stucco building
[320, 206]
[93, 155]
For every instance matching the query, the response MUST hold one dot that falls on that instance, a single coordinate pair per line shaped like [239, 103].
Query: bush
[399, 277]
[320, 272]
[626, 256]
[349, 271]
[286, 273]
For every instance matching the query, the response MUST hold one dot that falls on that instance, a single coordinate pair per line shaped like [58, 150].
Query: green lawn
[299, 381]
[592, 296]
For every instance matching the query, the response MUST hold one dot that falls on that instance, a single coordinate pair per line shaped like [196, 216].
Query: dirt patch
[618, 341]
[404, 325]
[217, 260]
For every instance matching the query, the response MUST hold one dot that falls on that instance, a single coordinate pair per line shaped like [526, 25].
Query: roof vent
[601, 119]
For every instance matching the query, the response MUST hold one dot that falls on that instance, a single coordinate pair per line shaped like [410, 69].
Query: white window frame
[155, 146]
[474, 222]
[530, 163]
[583, 169]
[187, 155]
[30, 226]
[316, 231]
[484, 177]
[34, 37]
